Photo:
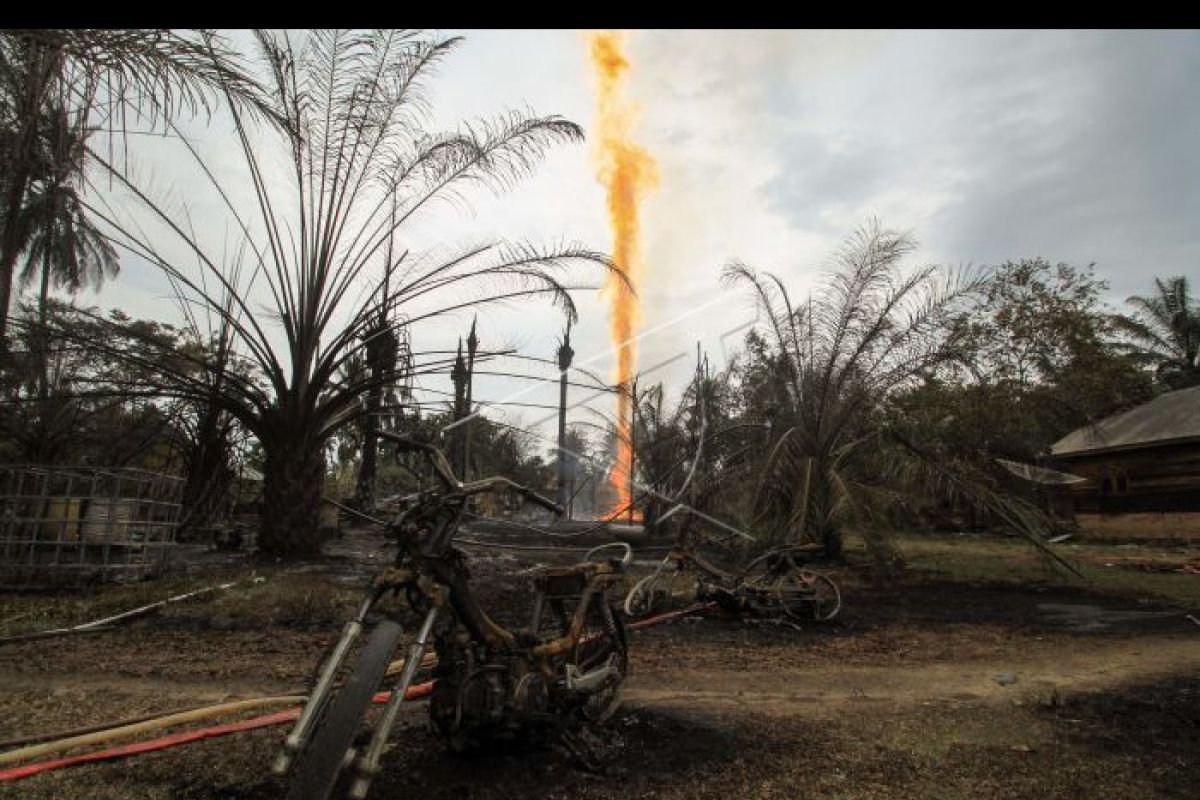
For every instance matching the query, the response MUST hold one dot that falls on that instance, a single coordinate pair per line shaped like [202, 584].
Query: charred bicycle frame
[776, 583]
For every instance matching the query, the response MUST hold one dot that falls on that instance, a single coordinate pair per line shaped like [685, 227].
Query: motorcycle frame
[430, 564]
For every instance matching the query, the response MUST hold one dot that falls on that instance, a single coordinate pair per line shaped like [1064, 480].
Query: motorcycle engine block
[474, 694]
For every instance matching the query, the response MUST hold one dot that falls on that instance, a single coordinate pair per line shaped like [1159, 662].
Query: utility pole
[472, 344]
[459, 376]
[633, 410]
[565, 354]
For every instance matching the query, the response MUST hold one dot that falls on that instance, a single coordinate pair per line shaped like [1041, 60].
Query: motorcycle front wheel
[322, 759]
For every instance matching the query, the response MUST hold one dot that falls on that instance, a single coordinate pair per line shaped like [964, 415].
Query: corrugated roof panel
[1168, 417]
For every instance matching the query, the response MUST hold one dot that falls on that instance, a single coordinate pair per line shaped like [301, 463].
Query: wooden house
[1142, 464]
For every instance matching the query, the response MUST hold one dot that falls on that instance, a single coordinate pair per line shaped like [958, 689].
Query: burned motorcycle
[776, 584]
[563, 672]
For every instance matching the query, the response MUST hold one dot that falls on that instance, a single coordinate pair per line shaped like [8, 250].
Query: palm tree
[100, 77]
[1164, 332]
[62, 243]
[838, 457]
[358, 167]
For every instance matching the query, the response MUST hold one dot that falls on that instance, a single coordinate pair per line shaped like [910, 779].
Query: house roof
[1170, 418]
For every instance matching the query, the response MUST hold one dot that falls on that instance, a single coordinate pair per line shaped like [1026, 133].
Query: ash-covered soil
[919, 689]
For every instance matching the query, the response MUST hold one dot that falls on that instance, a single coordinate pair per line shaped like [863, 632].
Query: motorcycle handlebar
[442, 467]
[431, 451]
[498, 483]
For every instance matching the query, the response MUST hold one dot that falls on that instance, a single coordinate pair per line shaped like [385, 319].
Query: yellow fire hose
[158, 723]
[73, 739]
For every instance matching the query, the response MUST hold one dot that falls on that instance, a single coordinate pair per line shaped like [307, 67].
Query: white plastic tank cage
[79, 524]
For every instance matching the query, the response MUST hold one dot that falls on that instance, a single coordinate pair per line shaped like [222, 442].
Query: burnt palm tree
[1164, 332]
[838, 457]
[330, 194]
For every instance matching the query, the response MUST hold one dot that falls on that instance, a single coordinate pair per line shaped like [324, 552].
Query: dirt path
[706, 666]
[920, 690]
[1025, 676]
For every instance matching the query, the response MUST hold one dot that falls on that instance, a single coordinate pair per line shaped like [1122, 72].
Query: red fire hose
[176, 739]
[263, 721]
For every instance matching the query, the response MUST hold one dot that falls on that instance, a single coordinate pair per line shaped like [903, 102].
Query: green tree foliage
[57, 87]
[65, 402]
[684, 451]
[828, 383]
[500, 449]
[63, 248]
[868, 333]
[1034, 364]
[1163, 332]
[496, 449]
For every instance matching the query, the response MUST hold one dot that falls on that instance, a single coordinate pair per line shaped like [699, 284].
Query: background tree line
[890, 396]
[888, 392]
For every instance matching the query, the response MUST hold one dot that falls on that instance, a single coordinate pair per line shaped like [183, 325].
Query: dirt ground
[931, 687]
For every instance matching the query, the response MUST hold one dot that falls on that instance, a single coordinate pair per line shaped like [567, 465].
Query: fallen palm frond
[952, 477]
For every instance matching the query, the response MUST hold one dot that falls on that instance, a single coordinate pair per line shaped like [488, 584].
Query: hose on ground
[153, 724]
[174, 740]
[42, 744]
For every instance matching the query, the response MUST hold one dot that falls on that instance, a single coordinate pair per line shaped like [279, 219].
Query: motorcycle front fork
[368, 765]
[303, 729]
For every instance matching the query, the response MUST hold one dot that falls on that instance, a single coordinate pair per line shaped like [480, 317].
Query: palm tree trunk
[43, 337]
[368, 467]
[805, 492]
[10, 242]
[826, 527]
[293, 479]
[208, 477]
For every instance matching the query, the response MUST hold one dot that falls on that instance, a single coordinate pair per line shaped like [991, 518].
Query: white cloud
[773, 145]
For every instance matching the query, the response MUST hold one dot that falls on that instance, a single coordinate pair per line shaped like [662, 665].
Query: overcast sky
[772, 146]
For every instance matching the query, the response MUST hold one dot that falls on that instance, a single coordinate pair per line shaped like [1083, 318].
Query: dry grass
[1111, 569]
[260, 599]
[26, 612]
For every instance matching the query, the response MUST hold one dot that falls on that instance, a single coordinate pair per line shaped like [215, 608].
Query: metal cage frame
[76, 524]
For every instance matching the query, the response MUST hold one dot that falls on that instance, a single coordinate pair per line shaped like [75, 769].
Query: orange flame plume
[627, 172]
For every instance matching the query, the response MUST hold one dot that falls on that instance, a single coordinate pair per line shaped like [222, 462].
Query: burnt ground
[924, 688]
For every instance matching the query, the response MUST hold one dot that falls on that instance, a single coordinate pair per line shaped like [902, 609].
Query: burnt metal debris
[778, 583]
[562, 673]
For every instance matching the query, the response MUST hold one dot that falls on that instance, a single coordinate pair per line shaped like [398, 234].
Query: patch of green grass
[28, 612]
[998, 559]
[259, 600]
